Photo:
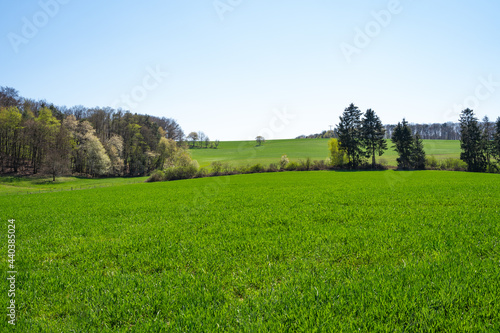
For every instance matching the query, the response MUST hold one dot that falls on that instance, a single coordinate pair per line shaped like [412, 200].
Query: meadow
[242, 153]
[13, 185]
[318, 251]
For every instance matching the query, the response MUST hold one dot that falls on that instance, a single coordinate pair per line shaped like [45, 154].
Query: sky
[236, 69]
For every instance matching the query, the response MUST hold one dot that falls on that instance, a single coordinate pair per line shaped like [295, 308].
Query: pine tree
[403, 144]
[350, 138]
[496, 141]
[472, 142]
[373, 133]
[487, 132]
[418, 153]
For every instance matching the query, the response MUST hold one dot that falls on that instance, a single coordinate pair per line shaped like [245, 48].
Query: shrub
[242, 169]
[431, 162]
[180, 172]
[453, 164]
[319, 165]
[338, 156]
[292, 166]
[216, 168]
[201, 173]
[156, 176]
[256, 168]
[227, 169]
[304, 165]
[273, 167]
[284, 162]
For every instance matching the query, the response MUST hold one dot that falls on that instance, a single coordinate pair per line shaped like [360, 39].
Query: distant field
[388, 251]
[240, 153]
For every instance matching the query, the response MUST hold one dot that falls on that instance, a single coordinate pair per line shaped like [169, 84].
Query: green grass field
[295, 251]
[241, 153]
[27, 185]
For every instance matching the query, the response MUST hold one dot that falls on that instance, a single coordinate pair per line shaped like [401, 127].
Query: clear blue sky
[231, 68]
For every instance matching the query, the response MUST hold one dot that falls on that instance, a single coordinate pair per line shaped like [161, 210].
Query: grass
[22, 185]
[241, 153]
[295, 251]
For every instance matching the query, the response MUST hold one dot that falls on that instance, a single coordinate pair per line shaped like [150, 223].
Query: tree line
[435, 131]
[39, 137]
[360, 137]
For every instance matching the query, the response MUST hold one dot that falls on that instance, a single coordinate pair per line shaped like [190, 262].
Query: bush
[227, 169]
[180, 172]
[216, 168]
[431, 162]
[273, 167]
[304, 165]
[338, 157]
[256, 168]
[156, 176]
[319, 165]
[284, 162]
[292, 166]
[201, 173]
[453, 164]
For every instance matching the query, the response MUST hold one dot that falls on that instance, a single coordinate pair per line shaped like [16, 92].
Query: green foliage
[350, 135]
[256, 168]
[292, 166]
[396, 251]
[431, 162]
[496, 141]
[373, 135]
[418, 153]
[273, 167]
[403, 144]
[471, 142]
[453, 164]
[338, 157]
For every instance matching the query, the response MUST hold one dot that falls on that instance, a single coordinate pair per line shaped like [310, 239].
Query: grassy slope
[374, 251]
[20, 185]
[241, 153]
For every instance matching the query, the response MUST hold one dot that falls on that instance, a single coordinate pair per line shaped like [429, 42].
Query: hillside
[240, 153]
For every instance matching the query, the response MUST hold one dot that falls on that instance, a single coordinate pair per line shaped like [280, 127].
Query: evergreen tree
[472, 142]
[403, 144]
[496, 141]
[373, 133]
[488, 132]
[418, 153]
[350, 138]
